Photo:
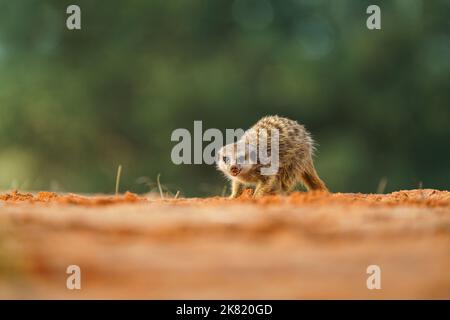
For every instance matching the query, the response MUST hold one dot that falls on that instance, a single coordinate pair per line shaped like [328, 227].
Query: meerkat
[295, 164]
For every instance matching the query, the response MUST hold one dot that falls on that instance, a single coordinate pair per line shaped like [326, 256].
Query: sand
[302, 246]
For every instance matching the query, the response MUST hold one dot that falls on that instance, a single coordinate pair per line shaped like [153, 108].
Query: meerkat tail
[311, 179]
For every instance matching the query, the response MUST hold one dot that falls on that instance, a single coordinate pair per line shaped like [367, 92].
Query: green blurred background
[76, 104]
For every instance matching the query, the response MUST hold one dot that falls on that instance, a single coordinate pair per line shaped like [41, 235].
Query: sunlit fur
[295, 159]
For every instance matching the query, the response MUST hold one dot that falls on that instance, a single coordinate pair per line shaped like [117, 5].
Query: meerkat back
[295, 148]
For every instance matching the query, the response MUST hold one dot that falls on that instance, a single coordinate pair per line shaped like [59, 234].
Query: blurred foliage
[76, 104]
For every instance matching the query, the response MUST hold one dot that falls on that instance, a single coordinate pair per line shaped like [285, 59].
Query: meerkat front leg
[270, 186]
[236, 189]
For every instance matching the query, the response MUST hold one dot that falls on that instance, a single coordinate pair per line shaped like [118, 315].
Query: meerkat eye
[225, 159]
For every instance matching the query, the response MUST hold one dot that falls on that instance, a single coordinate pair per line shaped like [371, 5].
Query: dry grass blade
[382, 185]
[119, 174]
[159, 187]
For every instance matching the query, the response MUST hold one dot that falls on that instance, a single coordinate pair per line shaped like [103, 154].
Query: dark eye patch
[225, 159]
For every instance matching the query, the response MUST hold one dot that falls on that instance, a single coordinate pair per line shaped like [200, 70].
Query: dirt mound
[52, 197]
[422, 197]
[306, 245]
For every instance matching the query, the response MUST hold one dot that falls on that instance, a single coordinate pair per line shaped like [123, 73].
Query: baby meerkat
[286, 143]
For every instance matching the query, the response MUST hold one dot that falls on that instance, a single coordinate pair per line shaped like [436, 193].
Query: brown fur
[295, 160]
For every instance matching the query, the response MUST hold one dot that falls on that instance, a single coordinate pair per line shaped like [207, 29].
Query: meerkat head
[237, 159]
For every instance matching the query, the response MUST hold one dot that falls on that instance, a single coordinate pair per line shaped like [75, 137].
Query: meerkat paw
[262, 191]
[236, 190]
[258, 194]
[270, 187]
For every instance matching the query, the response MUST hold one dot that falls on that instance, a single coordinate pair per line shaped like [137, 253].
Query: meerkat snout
[233, 161]
[235, 169]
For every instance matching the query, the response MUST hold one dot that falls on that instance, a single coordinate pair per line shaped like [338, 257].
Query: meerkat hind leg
[287, 186]
[288, 181]
[311, 179]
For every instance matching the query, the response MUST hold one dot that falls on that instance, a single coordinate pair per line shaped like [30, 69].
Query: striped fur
[296, 149]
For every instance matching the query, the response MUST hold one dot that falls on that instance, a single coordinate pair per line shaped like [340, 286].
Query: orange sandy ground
[306, 245]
